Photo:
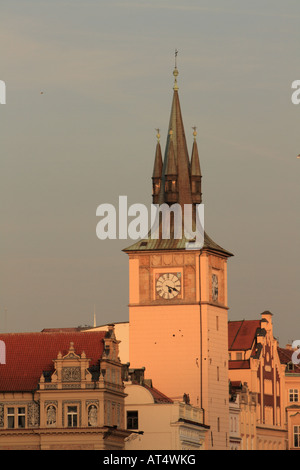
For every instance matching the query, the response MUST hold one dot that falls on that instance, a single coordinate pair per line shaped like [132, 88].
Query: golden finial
[195, 132]
[175, 71]
[157, 134]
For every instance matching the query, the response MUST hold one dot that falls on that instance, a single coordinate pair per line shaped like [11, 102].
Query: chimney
[266, 317]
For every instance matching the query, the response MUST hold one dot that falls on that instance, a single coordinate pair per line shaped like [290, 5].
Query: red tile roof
[236, 383]
[29, 354]
[241, 334]
[285, 357]
[157, 395]
[239, 365]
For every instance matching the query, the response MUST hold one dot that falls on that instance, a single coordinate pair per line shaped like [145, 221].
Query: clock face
[168, 285]
[215, 287]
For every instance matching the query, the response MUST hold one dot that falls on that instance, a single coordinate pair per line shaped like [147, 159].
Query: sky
[87, 83]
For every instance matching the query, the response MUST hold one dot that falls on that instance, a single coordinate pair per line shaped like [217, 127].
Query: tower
[178, 296]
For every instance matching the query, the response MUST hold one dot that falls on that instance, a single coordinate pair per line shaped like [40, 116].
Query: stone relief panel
[33, 415]
[1, 415]
[145, 284]
[190, 283]
[71, 374]
[156, 260]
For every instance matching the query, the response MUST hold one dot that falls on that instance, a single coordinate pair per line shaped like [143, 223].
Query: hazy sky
[105, 70]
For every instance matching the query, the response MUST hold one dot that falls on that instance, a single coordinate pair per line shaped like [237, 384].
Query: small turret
[195, 172]
[157, 171]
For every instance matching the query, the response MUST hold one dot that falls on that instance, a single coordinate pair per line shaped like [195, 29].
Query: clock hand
[174, 289]
[169, 287]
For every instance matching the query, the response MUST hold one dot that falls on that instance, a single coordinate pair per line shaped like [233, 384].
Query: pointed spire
[183, 187]
[157, 171]
[196, 172]
[171, 169]
[195, 162]
[171, 178]
[181, 155]
[158, 164]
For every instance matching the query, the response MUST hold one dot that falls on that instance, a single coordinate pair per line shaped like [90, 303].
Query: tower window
[171, 186]
[156, 188]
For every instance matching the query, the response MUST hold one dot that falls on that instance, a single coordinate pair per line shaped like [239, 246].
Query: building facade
[246, 401]
[234, 420]
[62, 391]
[254, 360]
[158, 423]
[291, 370]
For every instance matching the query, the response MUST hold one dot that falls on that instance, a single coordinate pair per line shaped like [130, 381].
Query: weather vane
[176, 53]
[175, 71]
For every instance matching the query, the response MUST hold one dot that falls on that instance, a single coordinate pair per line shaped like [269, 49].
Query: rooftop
[28, 355]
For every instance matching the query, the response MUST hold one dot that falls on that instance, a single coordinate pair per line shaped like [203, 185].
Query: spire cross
[176, 53]
[157, 134]
[195, 132]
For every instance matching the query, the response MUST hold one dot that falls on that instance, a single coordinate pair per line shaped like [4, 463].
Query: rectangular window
[218, 373]
[217, 323]
[296, 436]
[293, 395]
[239, 356]
[132, 420]
[10, 418]
[16, 417]
[21, 417]
[72, 416]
